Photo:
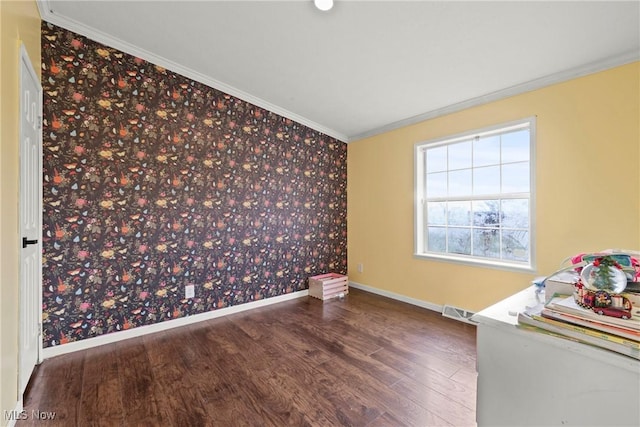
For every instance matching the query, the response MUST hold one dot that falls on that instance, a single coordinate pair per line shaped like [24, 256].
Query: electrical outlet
[189, 291]
[360, 268]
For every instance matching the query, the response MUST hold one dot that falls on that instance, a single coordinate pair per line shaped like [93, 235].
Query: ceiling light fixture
[323, 5]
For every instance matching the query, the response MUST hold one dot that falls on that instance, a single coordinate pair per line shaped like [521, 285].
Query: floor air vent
[458, 314]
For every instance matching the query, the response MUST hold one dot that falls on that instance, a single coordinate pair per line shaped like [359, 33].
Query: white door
[30, 220]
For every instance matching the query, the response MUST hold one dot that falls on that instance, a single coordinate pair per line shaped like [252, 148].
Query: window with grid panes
[474, 199]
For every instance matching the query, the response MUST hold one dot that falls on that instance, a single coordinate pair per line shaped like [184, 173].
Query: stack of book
[562, 316]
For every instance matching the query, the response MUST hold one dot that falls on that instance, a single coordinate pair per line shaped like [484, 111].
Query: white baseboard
[170, 324]
[398, 297]
[166, 325]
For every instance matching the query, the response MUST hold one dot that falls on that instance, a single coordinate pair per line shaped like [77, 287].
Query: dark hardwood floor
[362, 361]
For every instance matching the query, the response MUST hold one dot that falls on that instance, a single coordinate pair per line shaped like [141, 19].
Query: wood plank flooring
[365, 360]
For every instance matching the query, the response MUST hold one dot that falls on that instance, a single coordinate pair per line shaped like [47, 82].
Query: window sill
[472, 262]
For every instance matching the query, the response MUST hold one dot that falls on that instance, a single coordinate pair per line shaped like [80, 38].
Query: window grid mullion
[505, 196]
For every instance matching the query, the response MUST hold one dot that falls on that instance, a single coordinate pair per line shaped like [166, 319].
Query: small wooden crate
[327, 286]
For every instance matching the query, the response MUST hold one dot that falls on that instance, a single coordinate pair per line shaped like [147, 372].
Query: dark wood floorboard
[364, 360]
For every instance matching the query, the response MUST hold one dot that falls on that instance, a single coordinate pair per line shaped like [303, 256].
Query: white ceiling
[364, 67]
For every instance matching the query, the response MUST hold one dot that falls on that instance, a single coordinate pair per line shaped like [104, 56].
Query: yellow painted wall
[19, 23]
[587, 188]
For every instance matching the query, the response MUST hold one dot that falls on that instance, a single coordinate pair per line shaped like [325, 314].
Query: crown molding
[591, 68]
[47, 14]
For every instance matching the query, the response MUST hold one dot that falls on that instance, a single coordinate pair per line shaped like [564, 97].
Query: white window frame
[420, 178]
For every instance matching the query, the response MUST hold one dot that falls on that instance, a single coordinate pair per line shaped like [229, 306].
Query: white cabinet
[527, 378]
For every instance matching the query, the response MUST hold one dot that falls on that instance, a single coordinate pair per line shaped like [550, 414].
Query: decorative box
[327, 286]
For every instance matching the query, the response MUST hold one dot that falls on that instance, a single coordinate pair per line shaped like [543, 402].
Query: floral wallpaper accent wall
[153, 181]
